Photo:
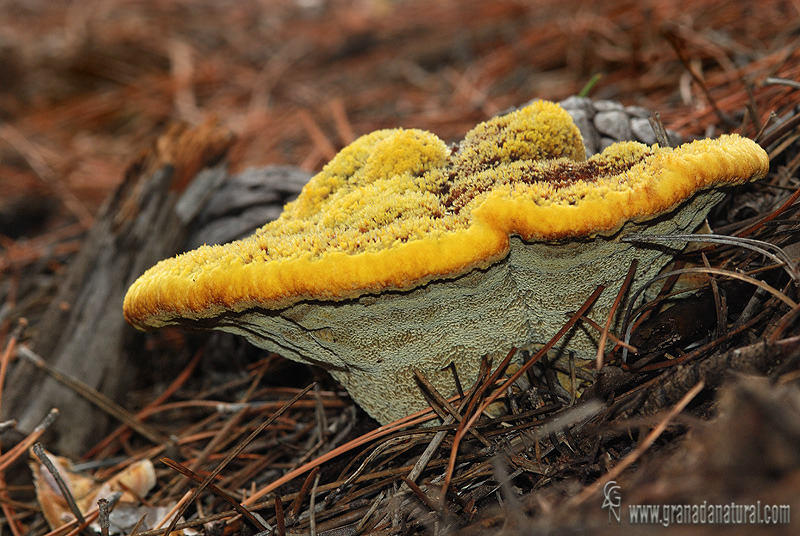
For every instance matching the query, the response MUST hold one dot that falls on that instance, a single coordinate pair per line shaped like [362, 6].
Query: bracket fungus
[405, 253]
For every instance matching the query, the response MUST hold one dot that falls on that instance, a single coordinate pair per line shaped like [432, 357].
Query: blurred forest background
[86, 85]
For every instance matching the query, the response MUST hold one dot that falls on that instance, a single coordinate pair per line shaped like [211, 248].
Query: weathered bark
[83, 332]
[245, 202]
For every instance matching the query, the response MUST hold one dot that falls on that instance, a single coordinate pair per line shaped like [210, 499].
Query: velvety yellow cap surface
[399, 208]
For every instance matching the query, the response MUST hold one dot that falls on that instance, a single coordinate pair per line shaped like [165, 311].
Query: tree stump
[83, 332]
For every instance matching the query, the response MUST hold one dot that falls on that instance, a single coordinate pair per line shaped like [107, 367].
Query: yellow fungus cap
[404, 254]
[399, 208]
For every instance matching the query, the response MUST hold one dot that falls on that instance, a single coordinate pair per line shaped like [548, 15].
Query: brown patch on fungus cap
[404, 253]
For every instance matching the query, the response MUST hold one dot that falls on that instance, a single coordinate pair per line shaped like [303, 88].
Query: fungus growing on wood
[406, 253]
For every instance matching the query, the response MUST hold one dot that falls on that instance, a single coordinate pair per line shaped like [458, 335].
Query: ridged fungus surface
[406, 253]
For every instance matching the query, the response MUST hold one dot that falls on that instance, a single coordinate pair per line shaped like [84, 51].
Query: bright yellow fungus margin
[377, 217]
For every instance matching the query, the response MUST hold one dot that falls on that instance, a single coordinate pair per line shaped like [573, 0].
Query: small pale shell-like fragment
[135, 481]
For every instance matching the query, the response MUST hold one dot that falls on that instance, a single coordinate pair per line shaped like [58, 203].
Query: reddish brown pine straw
[296, 87]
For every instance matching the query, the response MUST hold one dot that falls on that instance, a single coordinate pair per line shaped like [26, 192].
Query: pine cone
[603, 122]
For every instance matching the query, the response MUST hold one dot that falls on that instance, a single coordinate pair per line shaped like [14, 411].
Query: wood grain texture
[83, 332]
